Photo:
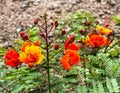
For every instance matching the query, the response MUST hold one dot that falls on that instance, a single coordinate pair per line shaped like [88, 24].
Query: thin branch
[47, 50]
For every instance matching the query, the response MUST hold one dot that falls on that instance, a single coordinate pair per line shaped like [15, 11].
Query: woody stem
[47, 50]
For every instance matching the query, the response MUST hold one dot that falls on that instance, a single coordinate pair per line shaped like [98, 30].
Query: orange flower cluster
[96, 40]
[31, 54]
[71, 56]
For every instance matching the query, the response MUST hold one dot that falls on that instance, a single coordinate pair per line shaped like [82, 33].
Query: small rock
[98, 0]
[6, 44]
[107, 11]
[78, 1]
[24, 6]
[111, 3]
[36, 3]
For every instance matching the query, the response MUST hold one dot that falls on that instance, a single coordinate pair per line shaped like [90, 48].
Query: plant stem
[85, 55]
[47, 50]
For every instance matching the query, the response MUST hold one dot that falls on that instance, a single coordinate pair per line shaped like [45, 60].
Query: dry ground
[17, 14]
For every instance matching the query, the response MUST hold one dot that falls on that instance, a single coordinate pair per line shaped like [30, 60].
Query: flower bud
[35, 20]
[42, 34]
[87, 23]
[22, 33]
[82, 32]
[52, 23]
[107, 25]
[63, 31]
[25, 37]
[56, 23]
[72, 38]
[56, 46]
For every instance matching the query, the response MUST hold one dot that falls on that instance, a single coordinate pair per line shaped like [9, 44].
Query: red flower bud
[35, 20]
[82, 32]
[56, 46]
[87, 23]
[25, 37]
[42, 34]
[22, 33]
[63, 31]
[52, 23]
[107, 25]
[72, 38]
[56, 23]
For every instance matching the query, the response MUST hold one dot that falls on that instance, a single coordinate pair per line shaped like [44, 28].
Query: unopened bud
[35, 20]
[87, 23]
[42, 34]
[56, 46]
[107, 25]
[52, 23]
[82, 32]
[22, 33]
[72, 38]
[56, 23]
[25, 37]
[63, 31]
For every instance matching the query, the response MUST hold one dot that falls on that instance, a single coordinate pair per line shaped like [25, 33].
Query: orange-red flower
[97, 40]
[71, 46]
[31, 55]
[11, 58]
[64, 62]
[70, 58]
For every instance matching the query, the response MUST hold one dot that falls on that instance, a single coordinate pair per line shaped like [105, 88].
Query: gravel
[16, 15]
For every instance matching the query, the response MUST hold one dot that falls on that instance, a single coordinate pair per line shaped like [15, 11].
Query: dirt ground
[17, 14]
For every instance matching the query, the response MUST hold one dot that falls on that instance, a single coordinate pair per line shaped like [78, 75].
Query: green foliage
[23, 79]
[117, 20]
[96, 73]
